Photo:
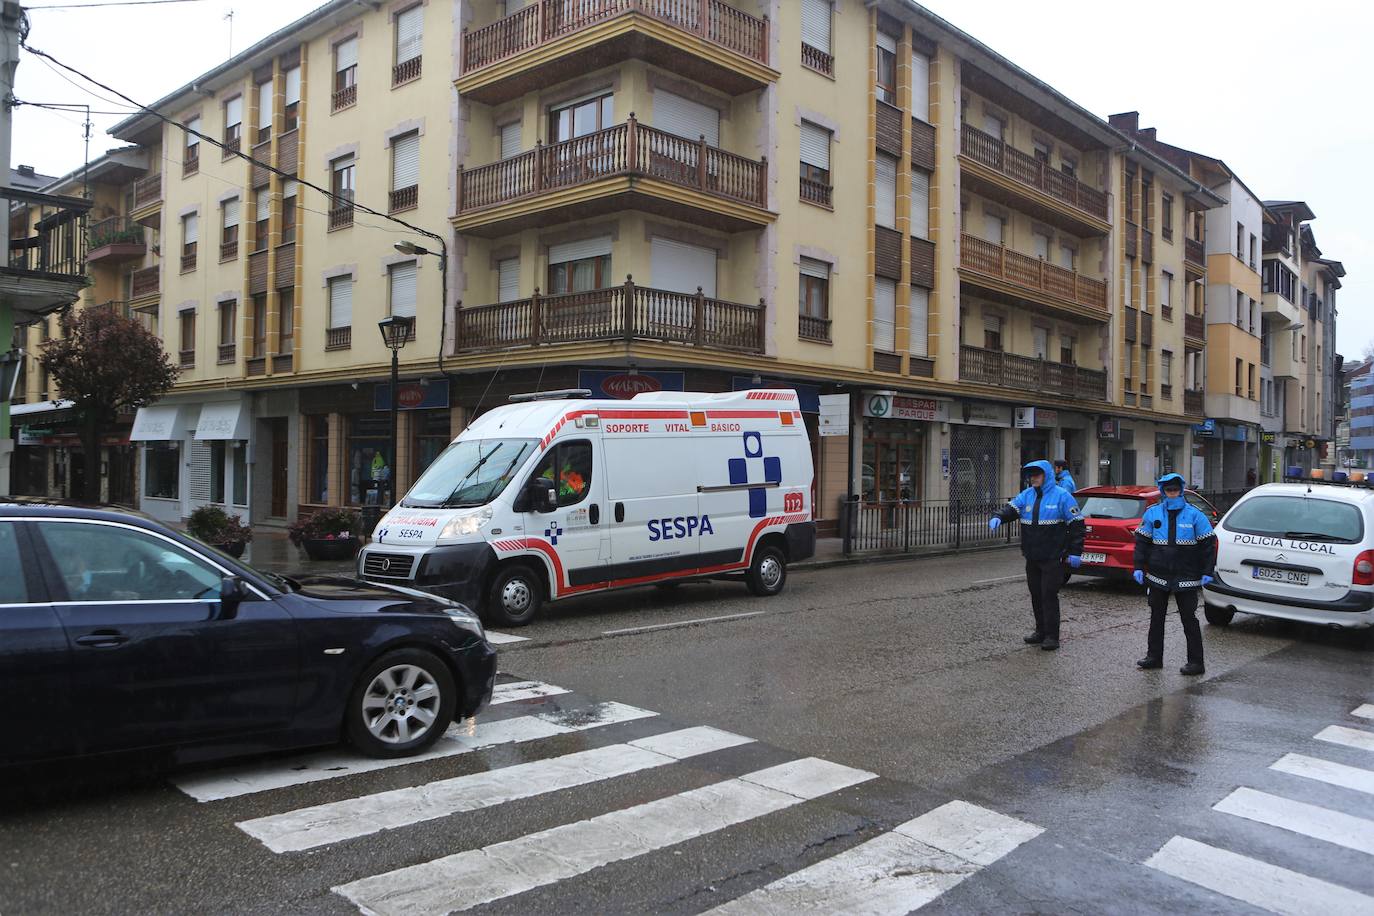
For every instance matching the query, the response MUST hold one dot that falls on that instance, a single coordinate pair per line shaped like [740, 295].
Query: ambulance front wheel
[515, 597]
[768, 571]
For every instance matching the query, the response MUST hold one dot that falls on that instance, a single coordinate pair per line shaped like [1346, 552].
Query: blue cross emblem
[552, 532]
[739, 473]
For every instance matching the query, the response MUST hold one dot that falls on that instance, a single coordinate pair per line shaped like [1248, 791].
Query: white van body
[663, 487]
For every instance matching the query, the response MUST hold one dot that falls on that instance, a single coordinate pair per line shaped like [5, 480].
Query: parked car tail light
[1364, 568]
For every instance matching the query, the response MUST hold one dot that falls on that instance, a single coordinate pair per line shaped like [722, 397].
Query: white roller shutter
[686, 118]
[192, 128]
[264, 105]
[884, 314]
[887, 42]
[681, 268]
[919, 310]
[577, 251]
[815, 26]
[289, 188]
[233, 111]
[405, 161]
[815, 145]
[231, 212]
[409, 37]
[810, 267]
[190, 228]
[341, 302]
[1042, 245]
[346, 54]
[508, 280]
[510, 140]
[263, 210]
[403, 289]
[1040, 343]
[885, 191]
[293, 85]
[920, 85]
[920, 204]
[993, 228]
[993, 125]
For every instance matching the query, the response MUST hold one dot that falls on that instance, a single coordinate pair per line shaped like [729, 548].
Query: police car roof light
[561, 394]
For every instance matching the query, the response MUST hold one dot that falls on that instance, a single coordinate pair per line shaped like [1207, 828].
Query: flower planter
[234, 550]
[330, 548]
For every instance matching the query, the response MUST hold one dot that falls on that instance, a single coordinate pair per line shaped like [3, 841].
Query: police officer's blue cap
[1171, 478]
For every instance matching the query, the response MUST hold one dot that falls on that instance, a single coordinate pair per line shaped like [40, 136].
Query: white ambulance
[556, 495]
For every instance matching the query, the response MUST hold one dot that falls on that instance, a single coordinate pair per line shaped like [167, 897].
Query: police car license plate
[1286, 576]
[1094, 557]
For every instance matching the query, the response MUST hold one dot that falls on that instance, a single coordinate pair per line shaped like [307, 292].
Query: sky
[1272, 88]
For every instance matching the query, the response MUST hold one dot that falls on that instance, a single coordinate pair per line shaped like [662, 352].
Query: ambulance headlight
[465, 526]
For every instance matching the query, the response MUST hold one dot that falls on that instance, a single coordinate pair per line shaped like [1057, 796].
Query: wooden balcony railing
[146, 282]
[345, 97]
[340, 217]
[1194, 402]
[626, 149]
[815, 192]
[404, 199]
[1007, 370]
[226, 354]
[809, 328]
[338, 338]
[987, 150]
[187, 358]
[147, 191]
[625, 312]
[405, 71]
[1194, 252]
[547, 20]
[1194, 326]
[191, 164]
[256, 365]
[818, 60]
[228, 251]
[118, 307]
[1031, 273]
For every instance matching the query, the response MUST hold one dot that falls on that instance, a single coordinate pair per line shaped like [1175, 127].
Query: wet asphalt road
[913, 672]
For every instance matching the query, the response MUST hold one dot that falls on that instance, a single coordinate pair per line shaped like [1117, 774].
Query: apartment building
[842, 197]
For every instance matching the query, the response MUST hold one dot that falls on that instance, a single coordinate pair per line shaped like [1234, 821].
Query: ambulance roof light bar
[562, 394]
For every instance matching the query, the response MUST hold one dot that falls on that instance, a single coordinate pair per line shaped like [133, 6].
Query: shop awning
[158, 423]
[40, 413]
[222, 420]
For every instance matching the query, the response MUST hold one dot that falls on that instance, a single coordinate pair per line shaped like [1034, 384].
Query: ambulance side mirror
[541, 495]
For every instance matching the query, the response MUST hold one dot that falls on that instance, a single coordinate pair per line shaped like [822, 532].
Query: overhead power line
[91, 6]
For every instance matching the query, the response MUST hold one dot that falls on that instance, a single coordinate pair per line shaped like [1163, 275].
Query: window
[920, 85]
[1250, 380]
[286, 319]
[1304, 348]
[187, 320]
[1067, 346]
[919, 312]
[1127, 369]
[1041, 151]
[1242, 312]
[190, 233]
[1254, 316]
[992, 332]
[1068, 257]
[815, 31]
[1252, 251]
[510, 140]
[262, 215]
[815, 163]
[217, 452]
[12, 588]
[409, 34]
[884, 314]
[994, 228]
[96, 562]
[1144, 370]
[1166, 217]
[341, 178]
[1240, 241]
[291, 111]
[1040, 342]
[1068, 166]
[580, 266]
[1325, 519]
[920, 204]
[1240, 367]
[508, 280]
[887, 69]
[581, 118]
[1147, 201]
[318, 442]
[1166, 294]
[401, 284]
[289, 189]
[228, 319]
[367, 458]
[885, 191]
[259, 326]
[813, 296]
[1041, 242]
[233, 122]
[190, 158]
[229, 232]
[994, 126]
[405, 172]
[340, 302]
[569, 466]
[264, 95]
[345, 73]
[1166, 373]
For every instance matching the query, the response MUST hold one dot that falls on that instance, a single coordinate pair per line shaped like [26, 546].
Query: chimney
[26, 171]
[1127, 121]
[1148, 134]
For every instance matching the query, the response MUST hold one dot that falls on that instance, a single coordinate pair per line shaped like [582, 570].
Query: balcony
[1278, 311]
[627, 313]
[1014, 278]
[226, 354]
[118, 307]
[404, 199]
[146, 282]
[1194, 402]
[338, 338]
[1195, 328]
[45, 268]
[994, 169]
[405, 71]
[550, 41]
[116, 240]
[1025, 374]
[1194, 257]
[810, 328]
[629, 166]
[147, 205]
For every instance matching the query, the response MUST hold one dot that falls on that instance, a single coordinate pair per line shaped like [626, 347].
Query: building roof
[27, 178]
[1297, 207]
[1177, 155]
[117, 166]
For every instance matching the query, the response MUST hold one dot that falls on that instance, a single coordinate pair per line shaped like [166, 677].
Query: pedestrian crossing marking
[319, 825]
[897, 872]
[461, 738]
[524, 690]
[1348, 737]
[1327, 771]
[1366, 711]
[1299, 817]
[495, 872]
[1269, 887]
[497, 639]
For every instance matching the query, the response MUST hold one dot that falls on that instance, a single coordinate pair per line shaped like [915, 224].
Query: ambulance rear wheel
[515, 596]
[768, 572]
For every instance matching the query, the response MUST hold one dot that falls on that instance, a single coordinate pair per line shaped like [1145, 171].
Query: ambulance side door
[742, 469]
[652, 498]
[576, 526]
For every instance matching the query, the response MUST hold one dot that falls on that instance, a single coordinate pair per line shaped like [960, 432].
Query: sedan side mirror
[232, 593]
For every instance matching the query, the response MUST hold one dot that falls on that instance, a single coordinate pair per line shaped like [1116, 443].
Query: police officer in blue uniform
[1063, 477]
[1051, 534]
[1175, 549]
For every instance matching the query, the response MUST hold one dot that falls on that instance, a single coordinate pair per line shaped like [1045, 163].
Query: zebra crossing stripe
[497, 639]
[1269, 887]
[461, 738]
[1365, 711]
[1328, 771]
[897, 872]
[1348, 737]
[478, 876]
[1299, 817]
[524, 690]
[307, 828]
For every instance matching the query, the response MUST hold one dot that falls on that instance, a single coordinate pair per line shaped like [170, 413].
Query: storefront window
[319, 460]
[240, 473]
[892, 462]
[369, 459]
[217, 471]
[164, 470]
[431, 437]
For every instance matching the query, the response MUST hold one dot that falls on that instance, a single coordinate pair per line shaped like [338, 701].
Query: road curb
[896, 557]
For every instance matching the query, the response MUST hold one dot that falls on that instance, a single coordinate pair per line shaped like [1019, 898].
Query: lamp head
[408, 247]
[395, 331]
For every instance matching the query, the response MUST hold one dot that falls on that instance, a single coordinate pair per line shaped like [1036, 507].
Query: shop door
[122, 458]
[1128, 467]
[277, 430]
[891, 470]
[976, 465]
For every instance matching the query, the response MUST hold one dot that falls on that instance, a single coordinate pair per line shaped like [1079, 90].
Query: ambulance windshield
[470, 472]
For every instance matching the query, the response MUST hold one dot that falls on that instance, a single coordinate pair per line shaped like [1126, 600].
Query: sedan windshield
[1118, 507]
[1302, 518]
[470, 472]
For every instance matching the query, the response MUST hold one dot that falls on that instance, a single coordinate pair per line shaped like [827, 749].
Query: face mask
[1173, 502]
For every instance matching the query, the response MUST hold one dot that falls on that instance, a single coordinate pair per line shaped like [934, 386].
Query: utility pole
[11, 20]
[229, 18]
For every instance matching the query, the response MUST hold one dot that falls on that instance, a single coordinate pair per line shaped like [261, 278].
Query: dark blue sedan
[119, 634]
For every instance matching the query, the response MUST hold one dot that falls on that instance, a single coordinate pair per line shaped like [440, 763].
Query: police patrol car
[557, 495]
[1299, 551]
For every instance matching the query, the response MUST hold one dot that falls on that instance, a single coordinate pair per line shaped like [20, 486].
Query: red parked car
[1112, 515]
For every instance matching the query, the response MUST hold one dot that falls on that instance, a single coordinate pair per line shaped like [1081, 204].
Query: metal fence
[1223, 500]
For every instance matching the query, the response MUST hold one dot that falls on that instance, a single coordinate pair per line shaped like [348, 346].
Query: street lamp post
[395, 332]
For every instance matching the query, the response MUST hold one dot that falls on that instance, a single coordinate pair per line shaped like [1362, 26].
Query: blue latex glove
[1075, 562]
[994, 523]
[1207, 580]
[1139, 577]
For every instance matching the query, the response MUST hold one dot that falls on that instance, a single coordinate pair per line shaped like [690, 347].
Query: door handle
[620, 512]
[102, 639]
[594, 514]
